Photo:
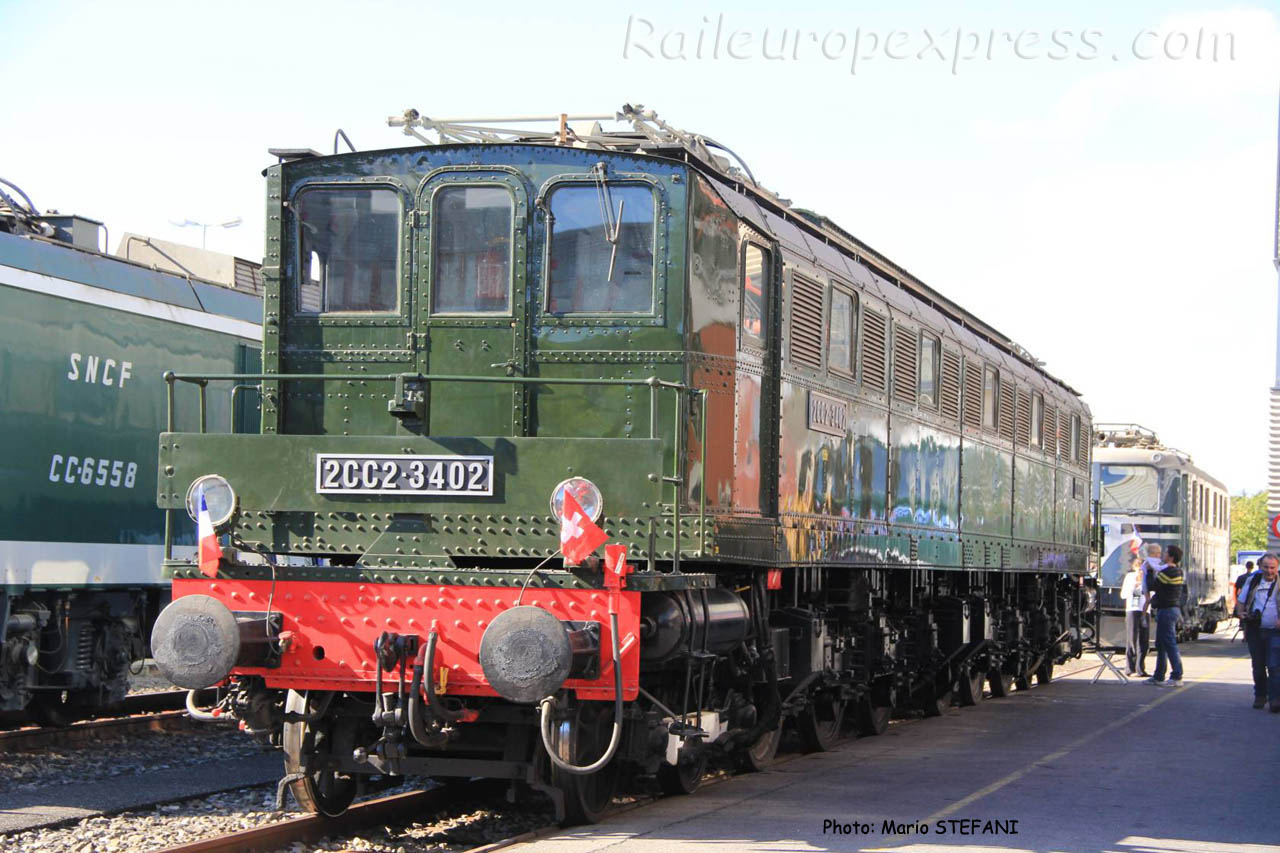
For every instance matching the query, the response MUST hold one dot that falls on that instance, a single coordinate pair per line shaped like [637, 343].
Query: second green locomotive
[842, 494]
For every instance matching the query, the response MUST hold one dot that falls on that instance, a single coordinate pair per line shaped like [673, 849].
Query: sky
[1095, 180]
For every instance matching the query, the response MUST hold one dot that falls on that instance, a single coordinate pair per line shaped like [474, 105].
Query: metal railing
[253, 381]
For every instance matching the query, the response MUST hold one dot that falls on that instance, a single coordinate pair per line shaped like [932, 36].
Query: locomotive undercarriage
[66, 656]
[723, 673]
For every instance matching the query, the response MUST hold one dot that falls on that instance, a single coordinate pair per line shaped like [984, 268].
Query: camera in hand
[1253, 619]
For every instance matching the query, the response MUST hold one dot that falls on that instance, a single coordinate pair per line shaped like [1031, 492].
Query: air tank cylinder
[715, 620]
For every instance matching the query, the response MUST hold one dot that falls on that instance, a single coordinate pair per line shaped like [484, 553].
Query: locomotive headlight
[219, 497]
[584, 492]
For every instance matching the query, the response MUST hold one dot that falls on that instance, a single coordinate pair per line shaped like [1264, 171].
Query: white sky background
[1115, 215]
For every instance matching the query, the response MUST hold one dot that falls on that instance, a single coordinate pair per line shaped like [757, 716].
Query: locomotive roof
[654, 138]
[1158, 457]
[132, 278]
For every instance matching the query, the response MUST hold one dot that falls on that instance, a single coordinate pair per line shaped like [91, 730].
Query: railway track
[142, 712]
[308, 828]
[404, 809]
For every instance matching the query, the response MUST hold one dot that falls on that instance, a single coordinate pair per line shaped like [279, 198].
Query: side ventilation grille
[806, 321]
[950, 385]
[904, 364]
[1023, 423]
[1006, 410]
[973, 394]
[873, 350]
[1050, 431]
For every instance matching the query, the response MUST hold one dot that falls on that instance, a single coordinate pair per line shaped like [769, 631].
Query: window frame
[1037, 429]
[655, 314]
[851, 372]
[749, 340]
[397, 316]
[432, 243]
[990, 370]
[937, 371]
[1073, 441]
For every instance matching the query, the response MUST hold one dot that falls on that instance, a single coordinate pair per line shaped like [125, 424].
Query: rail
[253, 381]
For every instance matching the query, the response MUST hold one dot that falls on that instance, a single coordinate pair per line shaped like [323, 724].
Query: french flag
[210, 550]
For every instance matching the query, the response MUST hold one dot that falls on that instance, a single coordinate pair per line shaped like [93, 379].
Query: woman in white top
[1136, 621]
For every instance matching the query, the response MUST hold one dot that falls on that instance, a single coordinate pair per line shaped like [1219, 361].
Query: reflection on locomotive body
[1150, 494]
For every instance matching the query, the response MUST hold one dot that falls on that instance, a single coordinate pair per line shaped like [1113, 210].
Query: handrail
[677, 480]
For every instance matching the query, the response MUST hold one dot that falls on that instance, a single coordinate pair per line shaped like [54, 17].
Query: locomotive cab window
[349, 242]
[840, 332]
[471, 238]
[1129, 487]
[755, 295]
[927, 390]
[601, 257]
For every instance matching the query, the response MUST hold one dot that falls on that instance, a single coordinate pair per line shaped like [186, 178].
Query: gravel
[122, 757]
[158, 827]
[149, 680]
[172, 824]
[443, 832]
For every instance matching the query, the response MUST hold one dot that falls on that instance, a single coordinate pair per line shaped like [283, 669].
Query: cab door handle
[509, 365]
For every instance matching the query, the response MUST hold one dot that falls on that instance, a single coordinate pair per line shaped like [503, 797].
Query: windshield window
[1129, 487]
[472, 241]
[349, 240]
[601, 258]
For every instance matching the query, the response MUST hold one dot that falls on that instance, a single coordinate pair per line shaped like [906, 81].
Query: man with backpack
[1256, 607]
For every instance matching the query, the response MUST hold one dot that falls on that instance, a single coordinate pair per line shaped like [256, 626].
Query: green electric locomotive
[840, 494]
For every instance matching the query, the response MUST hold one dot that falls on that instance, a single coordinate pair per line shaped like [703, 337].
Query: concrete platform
[1072, 766]
[56, 805]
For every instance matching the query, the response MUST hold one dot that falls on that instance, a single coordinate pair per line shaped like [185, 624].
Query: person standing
[1256, 607]
[1136, 623]
[1166, 599]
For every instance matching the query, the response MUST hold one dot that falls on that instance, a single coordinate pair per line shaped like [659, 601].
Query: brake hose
[549, 702]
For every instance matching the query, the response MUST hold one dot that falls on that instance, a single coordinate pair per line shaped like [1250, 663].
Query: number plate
[392, 474]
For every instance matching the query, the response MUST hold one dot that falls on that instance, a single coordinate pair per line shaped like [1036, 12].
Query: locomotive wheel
[1211, 627]
[323, 791]
[1001, 682]
[821, 722]
[683, 778]
[1022, 682]
[872, 719]
[970, 684]
[581, 740]
[937, 700]
[760, 755]
[1044, 672]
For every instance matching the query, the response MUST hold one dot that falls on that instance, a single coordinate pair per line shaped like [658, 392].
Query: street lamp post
[1273, 478]
[205, 226]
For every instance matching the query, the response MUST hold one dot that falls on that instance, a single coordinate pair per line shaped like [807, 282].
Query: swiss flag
[579, 535]
[210, 550]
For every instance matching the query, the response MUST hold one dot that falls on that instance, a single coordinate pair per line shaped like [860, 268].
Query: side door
[471, 311]
[756, 377]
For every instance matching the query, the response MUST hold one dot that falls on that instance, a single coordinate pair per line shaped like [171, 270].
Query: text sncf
[96, 369]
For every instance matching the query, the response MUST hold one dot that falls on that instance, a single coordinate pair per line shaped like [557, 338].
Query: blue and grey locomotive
[1151, 494]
